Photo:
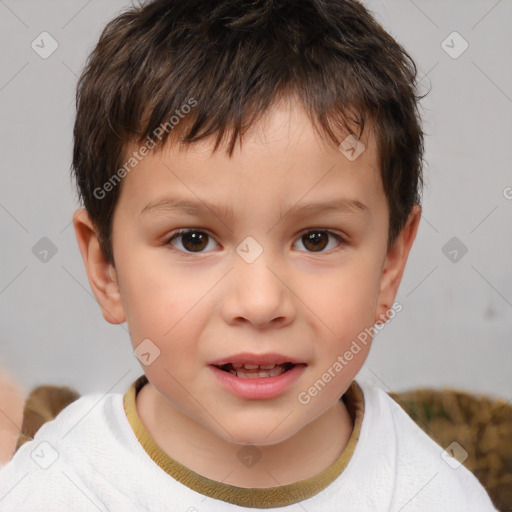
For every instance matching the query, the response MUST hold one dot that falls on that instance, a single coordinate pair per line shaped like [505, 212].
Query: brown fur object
[482, 426]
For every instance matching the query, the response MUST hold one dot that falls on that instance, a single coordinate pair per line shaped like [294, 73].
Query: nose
[258, 294]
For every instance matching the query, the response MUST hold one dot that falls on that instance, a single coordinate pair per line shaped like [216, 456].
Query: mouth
[254, 371]
[257, 376]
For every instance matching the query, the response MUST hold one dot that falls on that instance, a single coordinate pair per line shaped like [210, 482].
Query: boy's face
[253, 282]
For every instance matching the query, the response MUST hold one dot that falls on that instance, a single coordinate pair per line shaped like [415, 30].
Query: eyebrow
[196, 207]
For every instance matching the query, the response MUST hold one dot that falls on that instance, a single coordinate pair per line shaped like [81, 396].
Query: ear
[101, 273]
[394, 265]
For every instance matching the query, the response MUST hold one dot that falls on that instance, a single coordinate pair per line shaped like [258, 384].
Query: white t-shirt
[97, 455]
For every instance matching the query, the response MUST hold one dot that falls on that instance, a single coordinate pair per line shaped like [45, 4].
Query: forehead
[282, 160]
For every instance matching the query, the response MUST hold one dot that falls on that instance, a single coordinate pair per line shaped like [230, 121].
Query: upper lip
[259, 359]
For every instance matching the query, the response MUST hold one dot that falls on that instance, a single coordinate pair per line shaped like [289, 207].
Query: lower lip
[258, 387]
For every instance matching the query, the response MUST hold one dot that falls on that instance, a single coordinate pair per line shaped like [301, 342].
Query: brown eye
[318, 240]
[191, 240]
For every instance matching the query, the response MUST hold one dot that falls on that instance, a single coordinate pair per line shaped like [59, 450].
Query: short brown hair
[236, 58]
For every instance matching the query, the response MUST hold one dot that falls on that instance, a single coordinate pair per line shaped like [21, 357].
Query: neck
[305, 454]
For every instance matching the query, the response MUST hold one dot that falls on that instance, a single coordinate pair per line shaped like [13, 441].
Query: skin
[293, 299]
[12, 400]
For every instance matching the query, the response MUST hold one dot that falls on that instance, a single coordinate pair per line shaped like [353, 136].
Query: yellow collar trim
[247, 497]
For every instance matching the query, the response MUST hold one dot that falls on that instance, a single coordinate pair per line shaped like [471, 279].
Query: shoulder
[89, 409]
[51, 469]
[424, 472]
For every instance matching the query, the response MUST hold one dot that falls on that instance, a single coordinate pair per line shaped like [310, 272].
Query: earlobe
[101, 274]
[394, 265]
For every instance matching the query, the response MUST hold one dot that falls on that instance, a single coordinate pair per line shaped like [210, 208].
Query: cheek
[158, 308]
[149, 288]
[347, 298]
[347, 313]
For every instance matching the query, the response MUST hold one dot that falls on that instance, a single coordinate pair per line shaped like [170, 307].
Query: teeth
[253, 366]
[252, 374]
[252, 371]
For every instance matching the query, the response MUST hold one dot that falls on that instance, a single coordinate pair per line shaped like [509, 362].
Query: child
[251, 176]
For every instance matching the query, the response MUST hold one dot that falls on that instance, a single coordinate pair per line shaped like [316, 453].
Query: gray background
[456, 326]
